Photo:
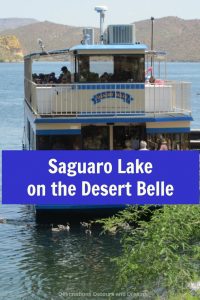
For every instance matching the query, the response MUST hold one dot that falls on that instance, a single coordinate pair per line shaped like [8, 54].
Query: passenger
[65, 76]
[143, 145]
[46, 78]
[163, 146]
[128, 145]
[52, 78]
[93, 77]
[135, 142]
[41, 78]
[84, 75]
[104, 77]
[34, 77]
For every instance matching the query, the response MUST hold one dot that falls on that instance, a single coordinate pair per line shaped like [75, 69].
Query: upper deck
[118, 90]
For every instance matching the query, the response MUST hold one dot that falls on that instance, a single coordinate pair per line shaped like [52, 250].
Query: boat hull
[74, 214]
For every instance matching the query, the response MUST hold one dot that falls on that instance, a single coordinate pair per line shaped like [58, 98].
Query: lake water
[34, 262]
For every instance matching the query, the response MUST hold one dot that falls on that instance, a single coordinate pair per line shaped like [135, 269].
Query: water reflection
[41, 264]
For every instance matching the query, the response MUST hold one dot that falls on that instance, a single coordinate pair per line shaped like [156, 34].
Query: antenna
[101, 10]
[40, 43]
[152, 46]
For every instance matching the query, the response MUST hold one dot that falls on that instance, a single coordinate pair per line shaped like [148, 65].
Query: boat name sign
[112, 95]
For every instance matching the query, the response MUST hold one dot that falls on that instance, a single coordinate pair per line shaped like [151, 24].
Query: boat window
[59, 142]
[94, 68]
[128, 137]
[110, 68]
[95, 137]
[174, 141]
[128, 68]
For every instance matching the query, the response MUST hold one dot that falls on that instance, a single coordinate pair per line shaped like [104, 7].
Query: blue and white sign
[85, 178]
[125, 97]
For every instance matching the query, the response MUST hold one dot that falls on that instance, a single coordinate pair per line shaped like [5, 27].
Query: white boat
[104, 102]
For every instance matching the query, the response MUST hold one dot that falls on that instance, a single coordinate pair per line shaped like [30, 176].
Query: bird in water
[85, 224]
[63, 227]
[55, 229]
[68, 227]
[88, 231]
[87, 227]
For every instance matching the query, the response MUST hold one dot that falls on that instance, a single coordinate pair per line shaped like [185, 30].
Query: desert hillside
[10, 48]
[180, 38]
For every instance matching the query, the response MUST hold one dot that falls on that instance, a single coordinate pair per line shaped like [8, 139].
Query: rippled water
[38, 264]
[34, 262]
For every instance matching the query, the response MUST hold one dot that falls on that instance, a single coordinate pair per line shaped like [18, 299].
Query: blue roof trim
[168, 130]
[121, 86]
[109, 47]
[108, 119]
[58, 131]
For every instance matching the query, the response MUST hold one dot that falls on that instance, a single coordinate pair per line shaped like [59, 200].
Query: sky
[81, 12]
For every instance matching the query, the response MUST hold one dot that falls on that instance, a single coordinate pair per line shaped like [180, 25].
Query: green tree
[161, 248]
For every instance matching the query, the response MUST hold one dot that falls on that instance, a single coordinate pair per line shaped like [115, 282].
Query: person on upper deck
[65, 76]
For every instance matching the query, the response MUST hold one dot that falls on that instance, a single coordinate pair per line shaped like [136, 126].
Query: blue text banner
[89, 178]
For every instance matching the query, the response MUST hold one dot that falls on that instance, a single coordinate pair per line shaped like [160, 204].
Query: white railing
[171, 97]
[117, 99]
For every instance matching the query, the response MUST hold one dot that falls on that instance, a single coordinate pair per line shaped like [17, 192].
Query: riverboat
[111, 95]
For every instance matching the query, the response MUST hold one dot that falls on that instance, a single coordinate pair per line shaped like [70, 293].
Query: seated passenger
[93, 77]
[84, 76]
[52, 78]
[104, 77]
[34, 77]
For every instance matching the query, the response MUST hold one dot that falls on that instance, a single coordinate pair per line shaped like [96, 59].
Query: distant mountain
[12, 23]
[180, 38]
[54, 36]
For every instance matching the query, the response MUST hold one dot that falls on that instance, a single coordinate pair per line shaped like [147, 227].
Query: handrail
[108, 98]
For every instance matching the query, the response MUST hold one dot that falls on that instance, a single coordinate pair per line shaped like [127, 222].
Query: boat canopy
[93, 49]
[101, 47]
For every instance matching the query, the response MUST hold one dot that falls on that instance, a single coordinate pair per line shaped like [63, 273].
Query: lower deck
[51, 135]
[101, 133]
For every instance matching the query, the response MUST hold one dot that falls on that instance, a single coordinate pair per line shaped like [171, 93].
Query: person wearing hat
[65, 76]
